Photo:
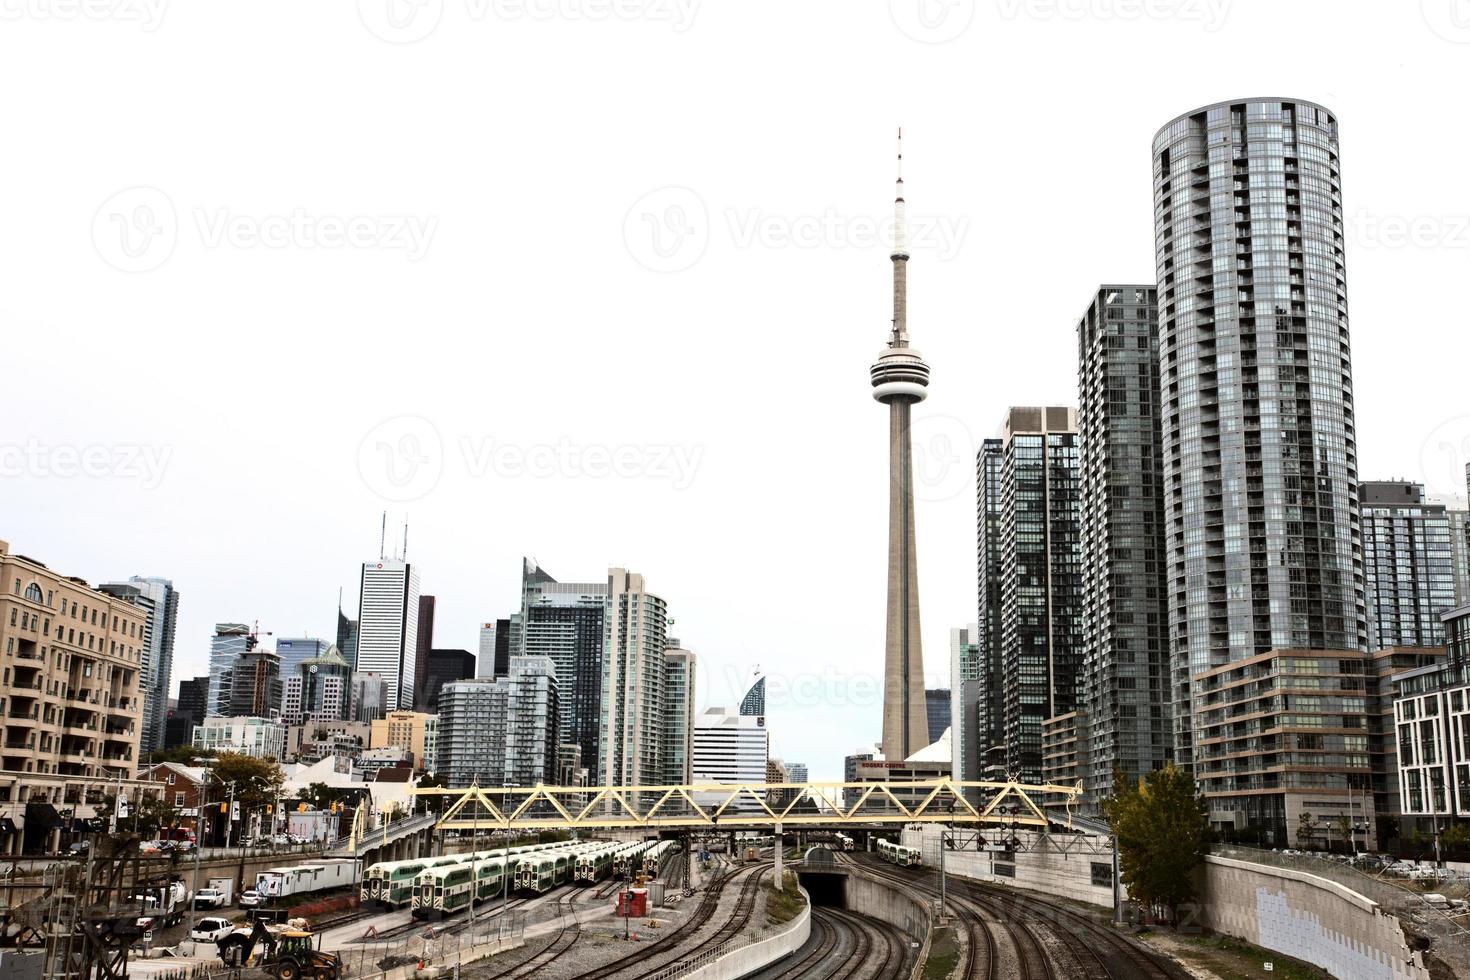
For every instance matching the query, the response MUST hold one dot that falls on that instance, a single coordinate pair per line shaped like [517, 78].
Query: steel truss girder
[748, 805]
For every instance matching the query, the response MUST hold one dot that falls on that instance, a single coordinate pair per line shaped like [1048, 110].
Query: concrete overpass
[396, 840]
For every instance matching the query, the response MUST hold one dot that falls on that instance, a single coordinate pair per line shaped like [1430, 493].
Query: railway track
[843, 946]
[1098, 951]
[705, 911]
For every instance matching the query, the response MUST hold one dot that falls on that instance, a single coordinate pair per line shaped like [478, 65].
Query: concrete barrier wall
[880, 900]
[756, 956]
[1311, 918]
[1062, 866]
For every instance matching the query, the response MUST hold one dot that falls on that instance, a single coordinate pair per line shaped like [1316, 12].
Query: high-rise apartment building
[1458, 513]
[387, 627]
[1259, 440]
[990, 744]
[73, 708]
[1124, 724]
[368, 697]
[1459, 520]
[157, 598]
[964, 693]
[1408, 565]
[445, 667]
[565, 621]
[1038, 563]
[255, 685]
[630, 749]
[680, 676]
[229, 643]
[796, 772]
[500, 732]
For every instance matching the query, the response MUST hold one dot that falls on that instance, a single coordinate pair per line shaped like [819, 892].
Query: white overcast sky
[518, 244]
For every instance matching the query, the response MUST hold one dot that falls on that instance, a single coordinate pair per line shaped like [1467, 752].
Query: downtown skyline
[257, 516]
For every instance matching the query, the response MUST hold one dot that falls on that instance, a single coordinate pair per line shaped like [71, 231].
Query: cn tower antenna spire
[900, 258]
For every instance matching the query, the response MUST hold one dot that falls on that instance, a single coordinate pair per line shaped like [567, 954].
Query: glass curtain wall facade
[1039, 552]
[1125, 660]
[1260, 450]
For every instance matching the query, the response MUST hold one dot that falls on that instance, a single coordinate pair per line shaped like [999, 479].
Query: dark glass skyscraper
[1125, 657]
[565, 622]
[1029, 492]
[1260, 449]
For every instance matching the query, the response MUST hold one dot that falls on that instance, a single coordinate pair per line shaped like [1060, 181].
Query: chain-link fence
[444, 944]
[1428, 927]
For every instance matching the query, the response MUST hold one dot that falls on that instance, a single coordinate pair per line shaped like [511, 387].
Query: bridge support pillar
[780, 849]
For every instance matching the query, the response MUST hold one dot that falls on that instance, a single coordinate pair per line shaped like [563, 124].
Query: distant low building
[263, 738]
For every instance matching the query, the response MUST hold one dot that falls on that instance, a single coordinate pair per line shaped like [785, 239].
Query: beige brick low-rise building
[70, 699]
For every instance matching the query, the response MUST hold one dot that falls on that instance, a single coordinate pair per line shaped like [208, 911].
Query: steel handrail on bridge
[748, 805]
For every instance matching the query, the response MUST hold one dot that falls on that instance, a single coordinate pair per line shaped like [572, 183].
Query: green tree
[434, 803]
[257, 781]
[1455, 836]
[320, 796]
[1304, 830]
[1162, 827]
[145, 818]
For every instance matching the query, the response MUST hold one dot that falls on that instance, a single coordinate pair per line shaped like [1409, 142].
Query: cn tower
[901, 379]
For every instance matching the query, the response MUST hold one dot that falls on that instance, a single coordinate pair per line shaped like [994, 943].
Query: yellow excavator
[285, 955]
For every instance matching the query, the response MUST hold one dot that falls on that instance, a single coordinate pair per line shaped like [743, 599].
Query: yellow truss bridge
[729, 806]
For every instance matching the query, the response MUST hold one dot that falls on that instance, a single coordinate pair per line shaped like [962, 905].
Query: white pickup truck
[211, 898]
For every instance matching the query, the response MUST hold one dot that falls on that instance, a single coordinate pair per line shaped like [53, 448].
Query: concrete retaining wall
[880, 900]
[1310, 918]
[1049, 865]
[747, 959]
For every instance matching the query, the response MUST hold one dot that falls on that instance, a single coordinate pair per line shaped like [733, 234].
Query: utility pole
[942, 876]
[200, 809]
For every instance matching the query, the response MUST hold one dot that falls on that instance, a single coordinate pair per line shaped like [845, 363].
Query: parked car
[210, 898]
[249, 899]
[79, 848]
[281, 840]
[211, 930]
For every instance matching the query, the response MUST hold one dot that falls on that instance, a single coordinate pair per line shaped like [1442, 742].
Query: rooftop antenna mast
[383, 538]
[405, 537]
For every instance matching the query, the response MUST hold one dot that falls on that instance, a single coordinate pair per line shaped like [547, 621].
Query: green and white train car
[537, 874]
[441, 892]
[594, 864]
[629, 859]
[907, 857]
[391, 883]
[654, 856]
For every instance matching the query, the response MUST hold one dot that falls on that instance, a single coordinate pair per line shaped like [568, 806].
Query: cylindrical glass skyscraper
[1263, 540]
